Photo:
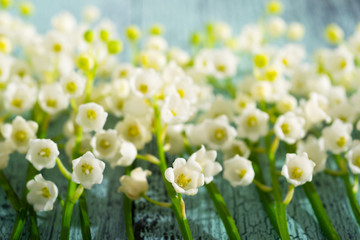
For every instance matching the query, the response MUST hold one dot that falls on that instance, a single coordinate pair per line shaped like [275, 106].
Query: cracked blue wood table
[180, 18]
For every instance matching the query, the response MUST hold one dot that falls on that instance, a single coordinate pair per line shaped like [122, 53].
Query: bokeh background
[180, 18]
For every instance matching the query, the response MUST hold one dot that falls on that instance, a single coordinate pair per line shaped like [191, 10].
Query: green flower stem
[19, 224]
[84, 218]
[320, 213]
[149, 158]
[349, 188]
[230, 87]
[77, 193]
[63, 169]
[160, 204]
[128, 211]
[10, 193]
[67, 211]
[34, 232]
[265, 197]
[289, 194]
[223, 211]
[176, 202]
[280, 206]
[262, 186]
[317, 205]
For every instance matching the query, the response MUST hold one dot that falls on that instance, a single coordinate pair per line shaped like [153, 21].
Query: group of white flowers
[205, 107]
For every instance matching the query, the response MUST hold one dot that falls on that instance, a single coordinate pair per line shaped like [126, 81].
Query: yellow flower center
[51, 103]
[120, 104]
[57, 47]
[219, 134]
[237, 150]
[181, 93]
[86, 168]
[143, 88]
[296, 173]
[182, 180]
[285, 128]
[123, 74]
[16, 102]
[91, 114]
[261, 60]
[271, 74]
[221, 68]
[242, 104]
[341, 142]
[242, 173]
[285, 62]
[71, 87]
[173, 113]
[357, 161]
[342, 64]
[133, 131]
[45, 152]
[45, 192]
[104, 143]
[20, 136]
[252, 121]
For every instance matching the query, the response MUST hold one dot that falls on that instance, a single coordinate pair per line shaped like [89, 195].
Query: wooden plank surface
[105, 206]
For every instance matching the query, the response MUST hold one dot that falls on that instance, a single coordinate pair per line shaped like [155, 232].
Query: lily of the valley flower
[337, 137]
[73, 84]
[91, 117]
[289, 128]
[206, 159]
[315, 149]
[87, 170]
[125, 154]
[6, 148]
[42, 153]
[185, 177]
[238, 171]
[353, 157]
[42, 194]
[19, 132]
[105, 144]
[252, 124]
[135, 185]
[218, 132]
[298, 169]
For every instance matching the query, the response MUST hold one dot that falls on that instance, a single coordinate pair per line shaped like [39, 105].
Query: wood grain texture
[180, 18]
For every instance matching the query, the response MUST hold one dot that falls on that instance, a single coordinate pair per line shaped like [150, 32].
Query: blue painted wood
[180, 18]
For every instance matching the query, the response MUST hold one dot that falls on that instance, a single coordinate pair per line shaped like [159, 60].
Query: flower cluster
[195, 106]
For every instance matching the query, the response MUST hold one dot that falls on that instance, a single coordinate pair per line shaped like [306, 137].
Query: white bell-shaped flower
[42, 194]
[19, 97]
[175, 110]
[135, 184]
[132, 130]
[145, 83]
[238, 171]
[315, 149]
[42, 153]
[52, 99]
[185, 177]
[298, 169]
[125, 154]
[236, 147]
[218, 132]
[353, 157]
[252, 124]
[6, 148]
[87, 170]
[289, 127]
[73, 84]
[19, 132]
[105, 144]
[337, 137]
[206, 159]
[91, 117]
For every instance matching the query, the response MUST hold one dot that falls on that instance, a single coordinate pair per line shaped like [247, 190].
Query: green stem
[34, 231]
[289, 194]
[280, 206]
[63, 169]
[128, 211]
[265, 197]
[177, 205]
[349, 188]
[223, 211]
[149, 158]
[19, 224]
[84, 218]
[320, 213]
[10, 193]
[67, 212]
[160, 204]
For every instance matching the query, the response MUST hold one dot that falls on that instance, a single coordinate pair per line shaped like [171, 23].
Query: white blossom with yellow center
[105, 144]
[91, 117]
[315, 149]
[42, 194]
[337, 137]
[73, 84]
[298, 169]
[52, 99]
[87, 170]
[238, 171]
[289, 127]
[135, 184]
[185, 176]
[42, 153]
[353, 157]
[218, 132]
[19, 97]
[252, 124]
[145, 83]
